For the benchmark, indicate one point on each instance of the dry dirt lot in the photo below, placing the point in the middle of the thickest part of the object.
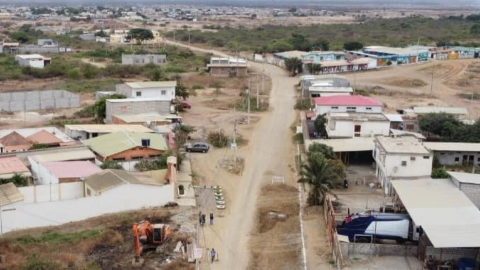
(104, 242)
(450, 79)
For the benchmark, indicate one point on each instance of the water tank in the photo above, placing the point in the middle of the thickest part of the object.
(466, 264)
(145, 142)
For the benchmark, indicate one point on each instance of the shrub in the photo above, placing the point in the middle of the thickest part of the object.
(218, 138)
(303, 104)
(439, 173)
(111, 165)
(37, 263)
(196, 87)
(73, 74)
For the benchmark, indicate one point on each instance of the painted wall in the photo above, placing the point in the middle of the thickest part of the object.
(346, 129)
(322, 57)
(124, 198)
(34, 63)
(164, 93)
(52, 193)
(319, 110)
(44, 176)
(456, 158)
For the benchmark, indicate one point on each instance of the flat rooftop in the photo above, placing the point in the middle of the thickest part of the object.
(349, 144)
(446, 214)
(447, 110)
(391, 50)
(124, 100)
(452, 146)
(466, 178)
(145, 117)
(136, 85)
(29, 56)
(402, 145)
(108, 128)
(353, 116)
(329, 89)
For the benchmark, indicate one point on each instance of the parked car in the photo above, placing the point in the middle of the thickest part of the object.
(197, 147)
(186, 105)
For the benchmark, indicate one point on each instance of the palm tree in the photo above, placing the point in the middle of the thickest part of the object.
(318, 173)
(294, 65)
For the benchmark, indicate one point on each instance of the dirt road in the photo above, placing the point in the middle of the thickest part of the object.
(269, 156)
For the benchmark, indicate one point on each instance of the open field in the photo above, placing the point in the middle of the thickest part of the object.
(104, 242)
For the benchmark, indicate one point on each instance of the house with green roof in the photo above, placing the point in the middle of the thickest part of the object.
(125, 146)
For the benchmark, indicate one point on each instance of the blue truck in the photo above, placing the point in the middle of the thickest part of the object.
(366, 226)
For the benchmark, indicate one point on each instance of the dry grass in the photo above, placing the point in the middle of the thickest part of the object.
(404, 82)
(276, 237)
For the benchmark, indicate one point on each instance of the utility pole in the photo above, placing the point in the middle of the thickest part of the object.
(248, 103)
(431, 85)
(235, 137)
(258, 100)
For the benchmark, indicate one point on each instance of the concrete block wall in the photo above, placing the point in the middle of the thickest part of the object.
(350, 249)
(452, 253)
(36, 100)
(136, 107)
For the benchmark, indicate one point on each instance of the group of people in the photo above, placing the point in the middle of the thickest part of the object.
(201, 218)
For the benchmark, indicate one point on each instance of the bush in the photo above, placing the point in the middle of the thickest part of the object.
(439, 173)
(157, 164)
(218, 139)
(37, 263)
(73, 74)
(111, 165)
(303, 104)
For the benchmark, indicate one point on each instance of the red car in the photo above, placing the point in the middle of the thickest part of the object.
(186, 105)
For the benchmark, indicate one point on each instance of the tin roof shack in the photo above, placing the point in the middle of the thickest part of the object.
(129, 106)
(85, 132)
(449, 222)
(9, 166)
(469, 184)
(127, 148)
(57, 172)
(412, 115)
(453, 153)
(144, 59)
(32, 60)
(158, 90)
(400, 157)
(228, 67)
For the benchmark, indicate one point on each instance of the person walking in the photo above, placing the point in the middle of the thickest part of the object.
(213, 253)
(211, 218)
(203, 219)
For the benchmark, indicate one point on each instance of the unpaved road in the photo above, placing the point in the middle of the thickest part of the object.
(270, 155)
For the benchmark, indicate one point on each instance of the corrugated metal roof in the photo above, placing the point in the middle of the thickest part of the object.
(354, 100)
(329, 89)
(452, 146)
(11, 165)
(71, 169)
(394, 117)
(117, 142)
(108, 128)
(348, 145)
(65, 156)
(109, 179)
(9, 194)
(467, 178)
(446, 214)
(151, 84)
(448, 110)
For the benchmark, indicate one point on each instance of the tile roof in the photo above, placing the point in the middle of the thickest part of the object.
(9, 194)
(347, 101)
(10, 165)
(44, 137)
(71, 169)
(120, 141)
(14, 139)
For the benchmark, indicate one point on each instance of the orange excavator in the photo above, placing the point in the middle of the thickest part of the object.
(148, 235)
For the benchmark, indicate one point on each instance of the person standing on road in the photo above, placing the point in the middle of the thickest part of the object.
(211, 218)
(203, 219)
(213, 253)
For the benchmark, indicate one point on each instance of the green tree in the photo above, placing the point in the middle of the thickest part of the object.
(317, 173)
(339, 172)
(475, 29)
(438, 123)
(321, 44)
(101, 33)
(89, 71)
(300, 42)
(101, 105)
(319, 124)
(353, 46)
(279, 46)
(182, 91)
(114, 165)
(439, 173)
(294, 65)
(17, 179)
(323, 149)
(314, 68)
(140, 34)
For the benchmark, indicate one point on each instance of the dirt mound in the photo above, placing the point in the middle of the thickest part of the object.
(403, 82)
(469, 78)
(277, 231)
(438, 70)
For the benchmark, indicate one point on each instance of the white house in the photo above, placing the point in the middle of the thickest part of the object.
(350, 125)
(157, 90)
(402, 157)
(469, 184)
(32, 60)
(346, 103)
(85, 132)
(326, 91)
(453, 153)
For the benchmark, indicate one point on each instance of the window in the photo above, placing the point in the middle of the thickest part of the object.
(164, 92)
(412, 158)
(119, 159)
(478, 159)
(334, 108)
(369, 108)
(441, 154)
(410, 127)
(351, 108)
(89, 193)
(137, 158)
(457, 159)
(139, 93)
(404, 163)
(426, 157)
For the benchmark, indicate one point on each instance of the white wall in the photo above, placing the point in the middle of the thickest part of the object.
(448, 158)
(346, 129)
(361, 109)
(414, 168)
(44, 176)
(52, 193)
(155, 93)
(124, 198)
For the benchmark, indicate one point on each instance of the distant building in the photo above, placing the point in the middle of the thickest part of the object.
(20, 140)
(402, 157)
(85, 132)
(385, 56)
(412, 115)
(129, 106)
(9, 166)
(347, 104)
(144, 59)
(46, 42)
(455, 153)
(67, 154)
(354, 124)
(32, 60)
(319, 57)
(159, 90)
(228, 67)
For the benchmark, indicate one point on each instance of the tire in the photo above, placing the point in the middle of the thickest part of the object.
(189, 150)
(204, 151)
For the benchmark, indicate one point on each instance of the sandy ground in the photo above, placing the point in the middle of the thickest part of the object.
(383, 262)
(448, 81)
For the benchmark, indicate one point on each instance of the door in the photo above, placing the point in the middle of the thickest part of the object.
(357, 130)
(465, 160)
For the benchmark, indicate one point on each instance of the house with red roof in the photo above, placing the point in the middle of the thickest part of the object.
(12, 165)
(56, 172)
(14, 142)
(343, 103)
(45, 138)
